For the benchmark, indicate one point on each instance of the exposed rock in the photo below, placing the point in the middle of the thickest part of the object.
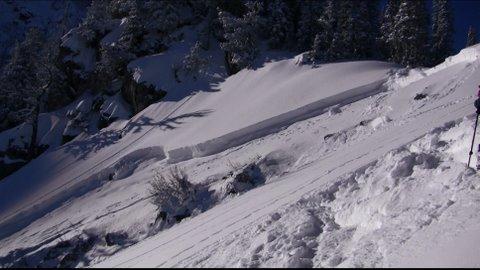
(140, 95)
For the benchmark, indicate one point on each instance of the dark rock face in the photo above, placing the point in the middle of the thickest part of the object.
(247, 178)
(140, 95)
(116, 238)
(8, 168)
(20, 157)
(420, 96)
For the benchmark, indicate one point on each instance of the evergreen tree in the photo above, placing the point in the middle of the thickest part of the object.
(347, 31)
(343, 45)
(327, 32)
(387, 28)
(213, 27)
(112, 65)
(240, 34)
(134, 30)
(280, 25)
(370, 29)
(21, 83)
(120, 8)
(307, 25)
(442, 31)
(410, 35)
(163, 16)
(472, 37)
(97, 21)
(51, 72)
(193, 63)
(149, 24)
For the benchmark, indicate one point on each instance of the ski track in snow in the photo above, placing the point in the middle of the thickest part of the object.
(353, 148)
(303, 185)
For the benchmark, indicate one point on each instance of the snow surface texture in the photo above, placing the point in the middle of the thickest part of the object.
(371, 217)
(350, 155)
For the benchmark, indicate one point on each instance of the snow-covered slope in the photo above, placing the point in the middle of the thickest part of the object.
(197, 125)
(332, 182)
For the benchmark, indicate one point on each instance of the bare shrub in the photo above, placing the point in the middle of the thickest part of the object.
(172, 194)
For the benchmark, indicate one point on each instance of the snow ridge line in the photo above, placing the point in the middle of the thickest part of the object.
(23, 214)
(274, 124)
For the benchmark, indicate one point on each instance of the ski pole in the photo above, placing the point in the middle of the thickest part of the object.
(473, 139)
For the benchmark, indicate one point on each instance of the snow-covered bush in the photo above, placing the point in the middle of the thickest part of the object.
(173, 195)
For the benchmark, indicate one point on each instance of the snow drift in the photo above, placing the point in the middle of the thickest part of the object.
(335, 136)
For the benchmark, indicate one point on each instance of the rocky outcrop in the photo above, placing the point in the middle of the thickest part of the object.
(140, 95)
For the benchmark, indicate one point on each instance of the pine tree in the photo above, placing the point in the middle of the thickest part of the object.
(21, 83)
(442, 31)
(368, 32)
(326, 34)
(387, 28)
(410, 35)
(193, 63)
(240, 34)
(120, 8)
(347, 31)
(472, 37)
(307, 25)
(280, 25)
(112, 65)
(213, 27)
(163, 16)
(343, 45)
(97, 21)
(134, 30)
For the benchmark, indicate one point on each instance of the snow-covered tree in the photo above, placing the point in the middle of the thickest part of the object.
(281, 29)
(120, 8)
(164, 16)
(134, 30)
(19, 79)
(21, 83)
(442, 31)
(149, 24)
(240, 36)
(308, 23)
(366, 29)
(387, 28)
(410, 35)
(472, 37)
(347, 30)
(112, 65)
(193, 63)
(343, 43)
(327, 30)
(213, 27)
(97, 21)
(51, 72)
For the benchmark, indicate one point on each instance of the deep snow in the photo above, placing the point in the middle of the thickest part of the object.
(360, 173)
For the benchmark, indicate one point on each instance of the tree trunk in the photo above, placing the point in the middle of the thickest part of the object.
(33, 140)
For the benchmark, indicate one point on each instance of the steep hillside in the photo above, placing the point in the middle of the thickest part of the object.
(332, 153)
